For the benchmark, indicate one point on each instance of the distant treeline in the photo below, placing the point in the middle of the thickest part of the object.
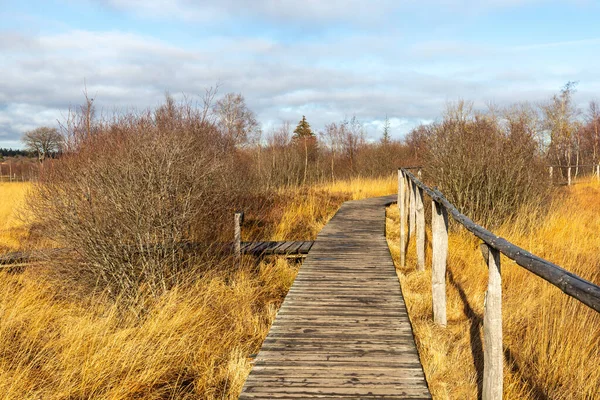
(14, 153)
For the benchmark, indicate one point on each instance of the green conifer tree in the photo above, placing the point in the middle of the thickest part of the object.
(303, 129)
(386, 131)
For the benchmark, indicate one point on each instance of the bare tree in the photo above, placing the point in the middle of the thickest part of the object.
(43, 141)
(236, 121)
(561, 123)
(334, 136)
(592, 133)
(354, 139)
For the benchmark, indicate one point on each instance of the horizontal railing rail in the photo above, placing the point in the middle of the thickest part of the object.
(412, 220)
(571, 284)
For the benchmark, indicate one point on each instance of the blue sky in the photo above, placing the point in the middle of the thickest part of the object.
(324, 59)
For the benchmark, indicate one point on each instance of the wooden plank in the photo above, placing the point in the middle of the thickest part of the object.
(305, 248)
(293, 249)
(259, 248)
(343, 330)
(277, 249)
(284, 248)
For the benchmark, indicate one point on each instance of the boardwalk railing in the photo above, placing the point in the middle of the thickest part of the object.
(412, 218)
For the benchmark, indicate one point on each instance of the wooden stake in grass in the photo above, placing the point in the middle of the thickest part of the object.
(492, 327)
(401, 205)
(237, 234)
(420, 214)
(412, 219)
(439, 227)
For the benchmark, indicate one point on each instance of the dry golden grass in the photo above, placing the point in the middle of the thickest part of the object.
(312, 208)
(13, 232)
(194, 342)
(362, 188)
(551, 342)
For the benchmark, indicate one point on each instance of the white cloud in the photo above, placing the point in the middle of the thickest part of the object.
(308, 11)
(276, 10)
(363, 74)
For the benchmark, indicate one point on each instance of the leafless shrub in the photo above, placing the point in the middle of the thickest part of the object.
(487, 166)
(134, 197)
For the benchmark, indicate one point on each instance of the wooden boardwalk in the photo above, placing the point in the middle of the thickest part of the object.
(343, 330)
(258, 249)
(276, 248)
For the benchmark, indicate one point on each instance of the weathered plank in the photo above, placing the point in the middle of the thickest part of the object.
(295, 248)
(343, 330)
(278, 248)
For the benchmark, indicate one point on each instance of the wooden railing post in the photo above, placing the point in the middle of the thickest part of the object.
(407, 206)
(569, 176)
(493, 354)
(237, 234)
(420, 214)
(412, 220)
(402, 206)
(439, 228)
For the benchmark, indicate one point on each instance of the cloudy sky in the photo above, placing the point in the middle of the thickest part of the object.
(326, 59)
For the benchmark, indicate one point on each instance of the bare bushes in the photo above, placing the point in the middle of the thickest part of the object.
(133, 198)
(486, 165)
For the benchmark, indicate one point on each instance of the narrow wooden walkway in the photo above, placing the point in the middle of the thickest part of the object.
(343, 330)
(276, 248)
(258, 249)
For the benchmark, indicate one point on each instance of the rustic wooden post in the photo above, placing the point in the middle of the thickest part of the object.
(492, 328)
(407, 200)
(407, 207)
(569, 176)
(10, 171)
(598, 172)
(402, 206)
(237, 234)
(420, 213)
(413, 210)
(439, 228)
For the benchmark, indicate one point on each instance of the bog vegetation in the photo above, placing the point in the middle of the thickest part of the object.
(146, 301)
(549, 337)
